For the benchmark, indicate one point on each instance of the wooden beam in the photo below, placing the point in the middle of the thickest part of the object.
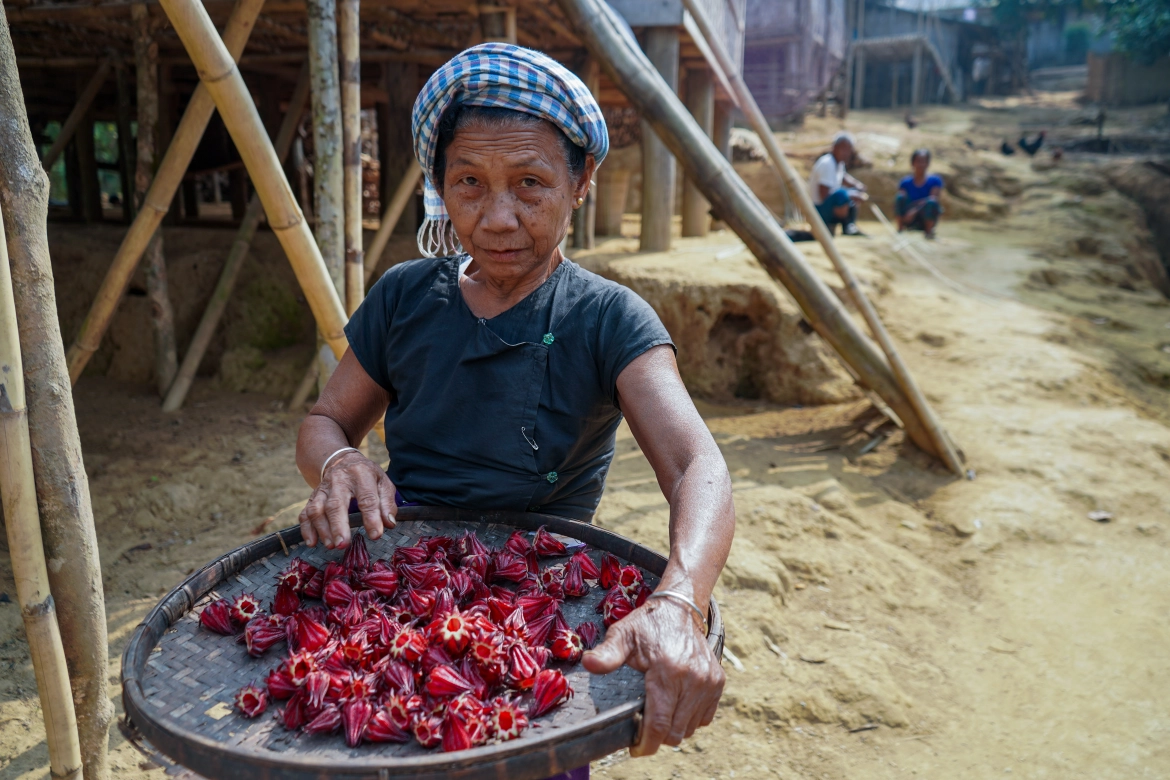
(919, 418)
(125, 143)
(80, 109)
(157, 201)
(226, 87)
(61, 486)
(87, 170)
(396, 147)
(230, 272)
(328, 175)
(658, 166)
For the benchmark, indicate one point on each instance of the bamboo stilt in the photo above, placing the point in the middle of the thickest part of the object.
(700, 89)
(218, 72)
(658, 164)
(84, 101)
(62, 489)
(235, 259)
(936, 440)
(90, 190)
(390, 217)
(158, 200)
(349, 38)
(26, 551)
(604, 35)
(162, 315)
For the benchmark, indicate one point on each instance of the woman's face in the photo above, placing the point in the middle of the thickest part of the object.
(920, 164)
(510, 195)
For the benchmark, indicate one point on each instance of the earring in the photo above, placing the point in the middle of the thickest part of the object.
(580, 201)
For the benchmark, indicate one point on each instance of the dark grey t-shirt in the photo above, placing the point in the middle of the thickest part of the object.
(517, 412)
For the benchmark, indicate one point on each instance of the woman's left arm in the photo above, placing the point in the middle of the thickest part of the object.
(662, 638)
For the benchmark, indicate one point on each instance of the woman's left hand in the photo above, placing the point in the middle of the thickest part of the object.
(684, 680)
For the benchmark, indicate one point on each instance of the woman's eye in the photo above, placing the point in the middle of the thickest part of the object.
(470, 181)
(528, 181)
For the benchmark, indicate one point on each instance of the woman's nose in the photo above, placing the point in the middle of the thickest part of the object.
(499, 216)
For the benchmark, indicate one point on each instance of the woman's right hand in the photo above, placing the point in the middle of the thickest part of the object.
(348, 476)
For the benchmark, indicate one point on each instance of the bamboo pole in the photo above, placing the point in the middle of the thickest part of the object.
(158, 200)
(62, 489)
(391, 215)
(235, 259)
(605, 36)
(658, 164)
(25, 549)
(125, 143)
(162, 315)
(700, 91)
(940, 443)
(219, 73)
(84, 101)
(349, 38)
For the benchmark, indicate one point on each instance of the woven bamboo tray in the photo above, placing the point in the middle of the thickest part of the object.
(178, 680)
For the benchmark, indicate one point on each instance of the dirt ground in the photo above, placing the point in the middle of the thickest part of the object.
(888, 620)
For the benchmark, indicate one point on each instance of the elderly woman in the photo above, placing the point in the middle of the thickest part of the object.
(504, 369)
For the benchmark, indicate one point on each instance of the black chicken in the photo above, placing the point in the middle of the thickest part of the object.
(1031, 147)
(911, 122)
(1007, 148)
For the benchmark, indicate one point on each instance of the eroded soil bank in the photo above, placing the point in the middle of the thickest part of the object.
(889, 620)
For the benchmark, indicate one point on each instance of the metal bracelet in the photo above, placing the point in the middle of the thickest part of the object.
(334, 455)
(682, 599)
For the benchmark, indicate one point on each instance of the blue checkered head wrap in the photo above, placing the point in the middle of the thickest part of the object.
(503, 76)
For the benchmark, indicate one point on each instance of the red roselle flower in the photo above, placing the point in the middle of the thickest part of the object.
(469, 544)
(404, 710)
(518, 543)
(300, 666)
(408, 646)
(536, 606)
(444, 602)
(357, 557)
(326, 722)
(337, 593)
(630, 580)
(314, 586)
(550, 689)
(643, 593)
(611, 569)
(382, 728)
(589, 569)
(540, 628)
(542, 655)
(296, 575)
(522, 667)
(381, 579)
(428, 731)
(507, 721)
(398, 677)
(589, 633)
(444, 681)
(311, 635)
(280, 685)
(260, 635)
(317, 687)
(434, 656)
(414, 554)
(515, 626)
(509, 567)
(251, 701)
(567, 645)
(355, 714)
(216, 617)
(354, 648)
(547, 545)
(295, 714)
(244, 608)
(476, 562)
(286, 601)
(574, 584)
(614, 607)
(452, 632)
(455, 736)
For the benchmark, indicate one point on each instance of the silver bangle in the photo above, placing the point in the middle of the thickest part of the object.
(680, 598)
(334, 455)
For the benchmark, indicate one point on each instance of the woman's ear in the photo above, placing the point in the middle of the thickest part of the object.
(581, 189)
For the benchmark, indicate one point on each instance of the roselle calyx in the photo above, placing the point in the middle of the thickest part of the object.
(216, 617)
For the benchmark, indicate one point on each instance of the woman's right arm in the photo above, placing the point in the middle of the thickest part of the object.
(348, 407)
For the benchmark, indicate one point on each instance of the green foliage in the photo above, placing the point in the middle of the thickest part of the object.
(1076, 42)
(1141, 28)
(58, 189)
